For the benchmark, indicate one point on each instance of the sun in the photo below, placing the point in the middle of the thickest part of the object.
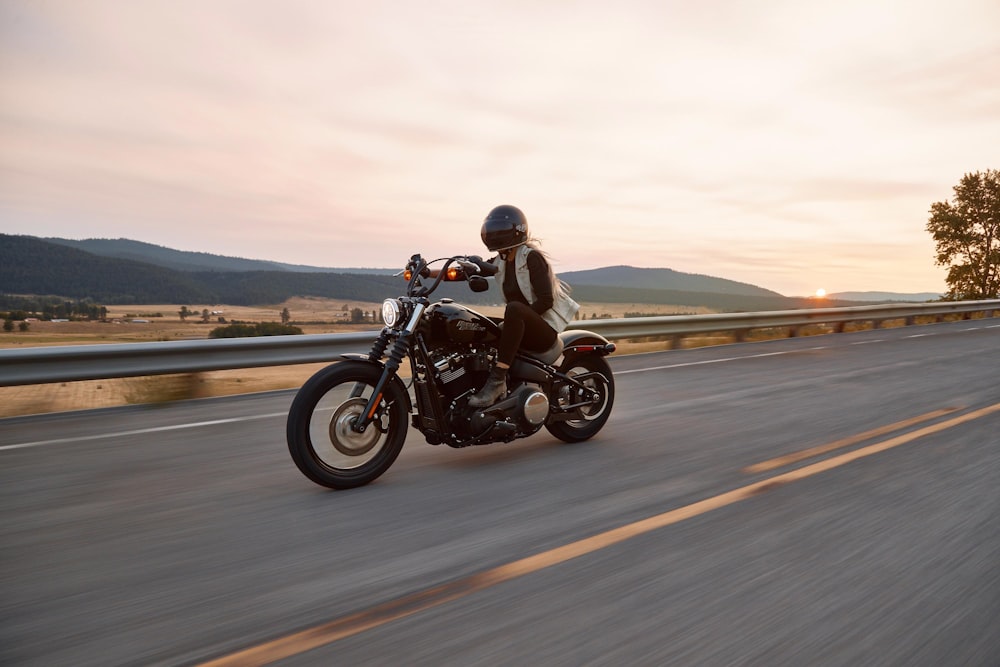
(820, 293)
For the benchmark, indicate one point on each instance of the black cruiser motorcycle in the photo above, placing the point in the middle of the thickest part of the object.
(348, 422)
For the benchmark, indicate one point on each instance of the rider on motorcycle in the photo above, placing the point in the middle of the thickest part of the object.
(538, 303)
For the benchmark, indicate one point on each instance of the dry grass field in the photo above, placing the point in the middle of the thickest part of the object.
(312, 315)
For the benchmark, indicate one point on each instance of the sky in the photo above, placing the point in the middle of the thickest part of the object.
(791, 144)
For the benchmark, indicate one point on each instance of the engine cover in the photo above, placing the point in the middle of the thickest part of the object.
(535, 408)
(527, 409)
(459, 372)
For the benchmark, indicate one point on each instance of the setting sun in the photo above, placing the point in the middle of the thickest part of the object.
(820, 293)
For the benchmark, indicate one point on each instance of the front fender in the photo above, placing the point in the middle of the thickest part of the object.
(355, 357)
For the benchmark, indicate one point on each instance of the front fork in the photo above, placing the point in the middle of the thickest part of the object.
(398, 350)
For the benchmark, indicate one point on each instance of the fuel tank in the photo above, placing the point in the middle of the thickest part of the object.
(448, 322)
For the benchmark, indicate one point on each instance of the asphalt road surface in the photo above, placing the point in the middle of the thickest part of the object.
(831, 500)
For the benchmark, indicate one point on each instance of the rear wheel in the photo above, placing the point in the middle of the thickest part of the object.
(321, 438)
(585, 421)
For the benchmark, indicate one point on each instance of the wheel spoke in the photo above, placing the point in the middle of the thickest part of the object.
(592, 377)
(322, 438)
(331, 429)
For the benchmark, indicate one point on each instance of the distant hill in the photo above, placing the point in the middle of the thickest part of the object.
(883, 297)
(178, 260)
(713, 300)
(612, 276)
(183, 260)
(29, 265)
(661, 279)
(109, 272)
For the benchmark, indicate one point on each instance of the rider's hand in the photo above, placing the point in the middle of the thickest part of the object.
(485, 268)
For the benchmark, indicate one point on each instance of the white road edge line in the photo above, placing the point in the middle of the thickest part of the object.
(715, 361)
(141, 431)
(214, 422)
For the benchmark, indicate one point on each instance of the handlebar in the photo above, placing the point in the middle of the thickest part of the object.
(468, 266)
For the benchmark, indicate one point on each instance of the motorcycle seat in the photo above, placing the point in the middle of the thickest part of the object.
(546, 356)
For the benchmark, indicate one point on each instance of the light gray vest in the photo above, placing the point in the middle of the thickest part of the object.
(563, 309)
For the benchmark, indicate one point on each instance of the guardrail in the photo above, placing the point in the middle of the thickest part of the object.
(40, 365)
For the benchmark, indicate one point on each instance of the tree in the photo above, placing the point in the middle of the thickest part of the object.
(286, 316)
(967, 234)
(8, 324)
(183, 312)
(205, 315)
(357, 316)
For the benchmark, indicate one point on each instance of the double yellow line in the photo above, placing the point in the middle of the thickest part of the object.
(387, 612)
(783, 461)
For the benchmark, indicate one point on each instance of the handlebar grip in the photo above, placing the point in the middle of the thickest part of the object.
(485, 268)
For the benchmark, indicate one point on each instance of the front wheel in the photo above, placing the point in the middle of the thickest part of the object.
(585, 421)
(321, 437)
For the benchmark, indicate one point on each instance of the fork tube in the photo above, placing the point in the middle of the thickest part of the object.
(396, 354)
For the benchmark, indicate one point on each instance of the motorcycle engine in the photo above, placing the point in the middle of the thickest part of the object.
(459, 372)
(522, 412)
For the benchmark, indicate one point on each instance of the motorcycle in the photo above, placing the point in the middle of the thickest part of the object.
(347, 423)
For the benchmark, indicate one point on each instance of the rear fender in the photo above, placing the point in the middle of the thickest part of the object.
(578, 343)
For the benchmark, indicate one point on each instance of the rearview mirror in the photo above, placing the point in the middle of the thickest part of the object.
(478, 284)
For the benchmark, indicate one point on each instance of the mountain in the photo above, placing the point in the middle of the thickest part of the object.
(883, 297)
(612, 276)
(122, 271)
(183, 260)
(661, 279)
(29, 265)
(713, 300)
(178, 260)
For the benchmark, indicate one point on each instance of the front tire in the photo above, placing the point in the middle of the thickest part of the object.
(584, 422)
(321, 441)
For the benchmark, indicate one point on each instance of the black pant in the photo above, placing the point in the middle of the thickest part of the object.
(523, 327)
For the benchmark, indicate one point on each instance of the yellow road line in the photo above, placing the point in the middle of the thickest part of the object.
(771, 464)
(348, 626)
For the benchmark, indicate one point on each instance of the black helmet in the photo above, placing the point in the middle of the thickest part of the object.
(504, 227)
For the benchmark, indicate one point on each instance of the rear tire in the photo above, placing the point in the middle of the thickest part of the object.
(587, 421)
(321, 441)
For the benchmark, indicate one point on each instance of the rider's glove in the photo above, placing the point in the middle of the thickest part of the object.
(485, 268)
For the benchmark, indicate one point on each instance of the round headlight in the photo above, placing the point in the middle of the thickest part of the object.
(391, 312)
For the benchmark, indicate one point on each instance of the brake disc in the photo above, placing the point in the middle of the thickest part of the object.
(342, 434)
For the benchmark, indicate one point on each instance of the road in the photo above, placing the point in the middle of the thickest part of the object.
(830, 500)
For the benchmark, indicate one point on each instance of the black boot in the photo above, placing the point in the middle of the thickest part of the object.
(492, 391)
